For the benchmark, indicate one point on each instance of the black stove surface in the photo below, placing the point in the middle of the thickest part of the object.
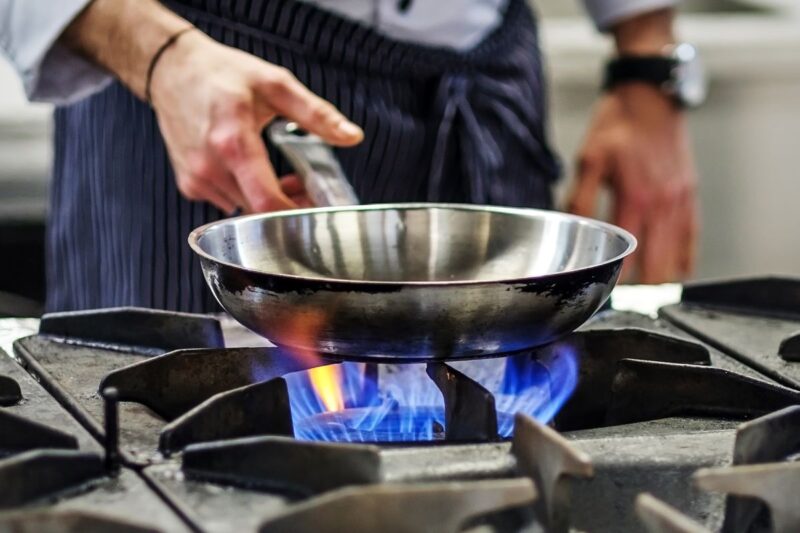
(208, 446)
(51, 467)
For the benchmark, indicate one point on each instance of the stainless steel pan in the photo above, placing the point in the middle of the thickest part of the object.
(411, 281)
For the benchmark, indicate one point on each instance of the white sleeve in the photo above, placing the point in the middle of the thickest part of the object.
(29, 30)
(606, 13)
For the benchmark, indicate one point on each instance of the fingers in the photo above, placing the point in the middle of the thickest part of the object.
(205, 190)
(230, 188)
(633, 211)
(292, 185)
(630, 217)
(207, 179)
(286, 96)
(302, 201)
(202, 179)
(212, 127)
(240, 149)
(666, 230)
(592, 170)
(660, 255)
(691, 230)
(235, 172)
(294, 188)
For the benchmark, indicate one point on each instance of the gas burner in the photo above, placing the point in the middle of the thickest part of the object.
(589, 379)
(463, 401)
(387, 422)
(627, 375)
(466, 401)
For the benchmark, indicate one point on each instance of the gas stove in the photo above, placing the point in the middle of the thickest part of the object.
(141, 420)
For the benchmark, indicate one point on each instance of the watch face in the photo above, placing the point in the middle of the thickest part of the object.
(690, 80)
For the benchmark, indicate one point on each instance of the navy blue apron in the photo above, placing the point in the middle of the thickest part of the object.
(440, 126)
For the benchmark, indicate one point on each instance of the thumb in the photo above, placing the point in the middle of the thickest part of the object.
(284, 94)
(591, 173)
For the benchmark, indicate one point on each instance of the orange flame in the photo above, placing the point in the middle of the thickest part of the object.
(299, 335)
(326, 381)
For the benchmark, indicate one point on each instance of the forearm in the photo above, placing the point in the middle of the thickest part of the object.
(646, 34)
(122, 36)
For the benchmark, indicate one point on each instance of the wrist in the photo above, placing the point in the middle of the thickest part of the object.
(645, 98)
(646, 34)
(186, 60)
(122, 36)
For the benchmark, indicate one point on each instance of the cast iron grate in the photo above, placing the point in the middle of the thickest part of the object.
(247, 392)
(348, 482)
(762, 484)
(766, 296)
(10, 393)
(134, 329)
(754, 320)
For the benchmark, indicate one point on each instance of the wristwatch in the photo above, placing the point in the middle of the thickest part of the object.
(678, 73)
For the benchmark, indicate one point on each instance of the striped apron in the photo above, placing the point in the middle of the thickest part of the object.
(439, 125)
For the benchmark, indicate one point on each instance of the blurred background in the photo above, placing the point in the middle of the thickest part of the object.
(746, 136)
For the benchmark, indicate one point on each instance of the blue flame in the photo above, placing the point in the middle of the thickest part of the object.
(521, 384)
(406, 406)
(400, 403)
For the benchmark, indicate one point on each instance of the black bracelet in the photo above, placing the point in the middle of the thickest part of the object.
(153, 62)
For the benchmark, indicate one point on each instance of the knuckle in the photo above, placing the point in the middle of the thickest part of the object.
(670, 194)
(280, 81)
(640, 198)
(283, 75)
(235, 104)
(589, 160)
(200, 168)
(227, 142)
(190, 189)
(320, 113)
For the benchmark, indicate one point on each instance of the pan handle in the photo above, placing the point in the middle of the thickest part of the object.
(315, 164)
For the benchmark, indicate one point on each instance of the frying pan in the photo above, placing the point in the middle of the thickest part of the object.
(412, 281)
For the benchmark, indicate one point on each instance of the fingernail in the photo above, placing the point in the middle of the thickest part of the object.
(349, 129)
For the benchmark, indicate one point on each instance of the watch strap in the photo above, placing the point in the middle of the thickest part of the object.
(650, 69)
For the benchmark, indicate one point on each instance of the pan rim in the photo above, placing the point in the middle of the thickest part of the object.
(627, 237)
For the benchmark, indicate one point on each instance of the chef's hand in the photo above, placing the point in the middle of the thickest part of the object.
(212, 102)
(638, 146)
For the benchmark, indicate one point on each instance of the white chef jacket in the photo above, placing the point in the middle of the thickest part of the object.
(29, 30)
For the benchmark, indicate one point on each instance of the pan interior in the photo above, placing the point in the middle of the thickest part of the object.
(414, 244)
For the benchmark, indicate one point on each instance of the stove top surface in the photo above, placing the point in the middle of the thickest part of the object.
(209, 439)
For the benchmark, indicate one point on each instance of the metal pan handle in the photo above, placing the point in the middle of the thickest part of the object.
(315, 164)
